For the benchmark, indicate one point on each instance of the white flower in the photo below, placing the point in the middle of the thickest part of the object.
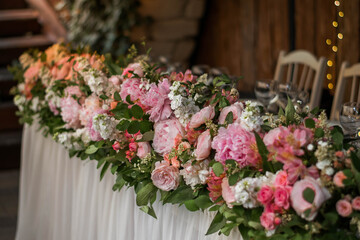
(246, 191)
(323, 164)
(105, 125)
(251, 118)
(310, 147)
(195, 174)
(19, 101)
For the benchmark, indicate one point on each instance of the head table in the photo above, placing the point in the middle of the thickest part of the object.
(62, 198)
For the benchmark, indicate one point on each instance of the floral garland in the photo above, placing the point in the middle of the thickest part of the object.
(288, 176)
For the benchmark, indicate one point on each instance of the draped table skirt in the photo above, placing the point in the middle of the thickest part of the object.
(62, 198)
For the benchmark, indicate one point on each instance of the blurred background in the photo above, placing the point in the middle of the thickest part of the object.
(243, 37)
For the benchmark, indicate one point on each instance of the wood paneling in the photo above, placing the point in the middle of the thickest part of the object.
(247, 36)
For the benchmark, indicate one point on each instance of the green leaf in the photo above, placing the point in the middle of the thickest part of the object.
(149, 210)
(104, 169)
(217, 223)
(355, 161)
(148, 136)
(43, 57)
(117, 96)
(134, 127)
(120, 182)
(315, 111)
(226, 230)
(233, 179)
(244, 232)
(309, 195)
(114, 168)
(338, 138)
(91, 149)
(137, 111)
(128, 99)
(103, 97)
(145, 193)
(267, 166)
(180, 195)
(191, 205)
(203, 201)
(319, 133)
(290, 111)
(255, 225)
(309, 123)
(229, 118)
(145, 126)
(307, 212)
(218, 168)
(281, 112)
(123, 125)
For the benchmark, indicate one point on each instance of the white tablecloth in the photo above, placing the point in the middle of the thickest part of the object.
(63, 199)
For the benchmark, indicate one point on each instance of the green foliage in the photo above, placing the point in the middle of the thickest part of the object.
(309, 195)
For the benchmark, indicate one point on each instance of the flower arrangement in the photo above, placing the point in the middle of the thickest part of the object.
(289, 176)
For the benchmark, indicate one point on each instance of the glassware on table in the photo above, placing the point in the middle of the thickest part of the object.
(266, 92)
(350, 118)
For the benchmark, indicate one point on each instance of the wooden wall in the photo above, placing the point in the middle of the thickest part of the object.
(247, 36)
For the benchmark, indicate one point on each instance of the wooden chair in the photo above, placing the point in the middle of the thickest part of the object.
(304, 71)
(346, 73)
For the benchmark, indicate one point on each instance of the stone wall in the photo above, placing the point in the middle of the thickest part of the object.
(174, 27)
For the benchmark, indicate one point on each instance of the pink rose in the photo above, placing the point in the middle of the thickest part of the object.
(202, 116)
(227, 192)
(265, 195)
(356, 203)
(236, 110)
(338, 179)
(144, 149)
(91, 105)
(343, 207)
(267, 220)
(303, 135)
(165, 177)
(135, 68)
(116, 146)
(300, 204)
(281, 179)
(281, 196)
(165, 134)
(203, 147)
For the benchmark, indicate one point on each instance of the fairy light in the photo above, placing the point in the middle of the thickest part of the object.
(333, 45)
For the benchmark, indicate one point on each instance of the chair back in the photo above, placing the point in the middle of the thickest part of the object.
(303, 70)
(346, 73)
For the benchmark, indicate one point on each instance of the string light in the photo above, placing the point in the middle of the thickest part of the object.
(333, 44)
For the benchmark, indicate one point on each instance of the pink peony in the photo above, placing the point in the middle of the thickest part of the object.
(234, 142)
(73, 91)
(165, 177)
(158, 102)
(165, 134)
(143, 150)
(300, 204)
(343, 207)
(236, 109)
(70, 109)
(356, 203)
(131, 87)
(202, 116)
(282, 195)
(338, 179)
(265, 195)
(227, 192)
(267, 220)
(203, 147)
